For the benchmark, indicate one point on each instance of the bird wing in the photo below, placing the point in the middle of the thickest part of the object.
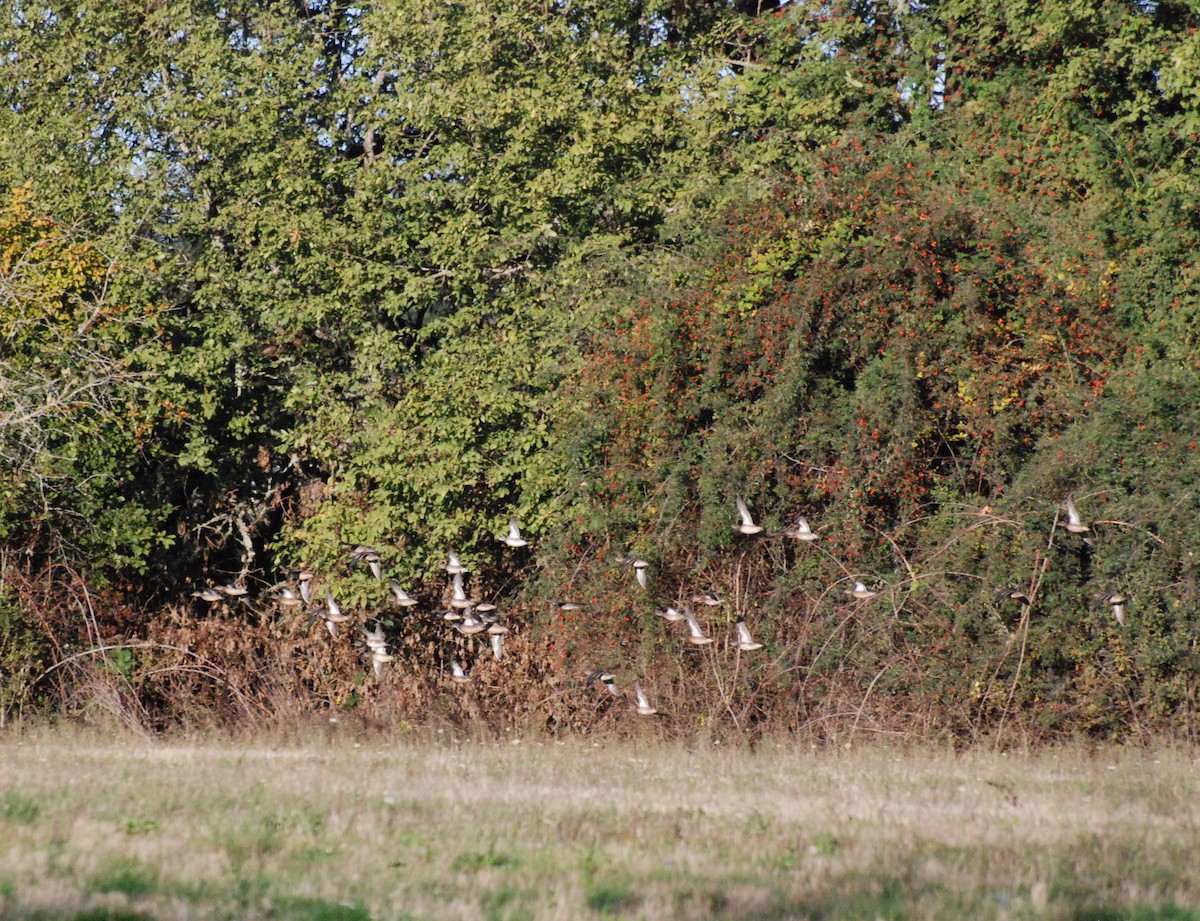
(744, 513)
(460, 593)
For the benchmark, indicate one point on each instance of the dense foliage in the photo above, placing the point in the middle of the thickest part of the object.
(282, 279)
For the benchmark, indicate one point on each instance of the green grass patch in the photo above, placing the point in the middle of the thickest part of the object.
(508, 903)
(140, 826)
(126, 876)
(471, 861)
(18, 808)
(1136, 913)
(317, 910)
(554, 831)
(612, 898)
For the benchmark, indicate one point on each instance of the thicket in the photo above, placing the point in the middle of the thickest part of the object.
(279, 280)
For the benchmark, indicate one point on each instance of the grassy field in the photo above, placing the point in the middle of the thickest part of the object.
(94, 827)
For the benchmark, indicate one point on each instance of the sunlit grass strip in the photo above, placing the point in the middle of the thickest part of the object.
(566, 830)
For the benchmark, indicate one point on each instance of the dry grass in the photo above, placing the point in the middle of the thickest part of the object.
(442, 828)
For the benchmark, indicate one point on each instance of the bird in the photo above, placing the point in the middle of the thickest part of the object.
(376, 642)
(495, 629)
(379, 658)
(566, 605)
(708, 599)
(484, 607)
(402, 598)
(643, 705)
(1116, 601)
(470, 624)
(449, 614)
(1008, 593)
(695, 635)
(671, 614)
(209, 594)
(333, 614)
(288, 597)
(860, 591)
(498, 646)
(458, 673)
(304, 579)
(745, 523)
(370, 556)
(453, 565)
(459, 598)
(375, 637)
(1074, 523)
(232, 590)
(607, 678)
(800, 531)
(513, 538)
(746, 642)
(639, 567)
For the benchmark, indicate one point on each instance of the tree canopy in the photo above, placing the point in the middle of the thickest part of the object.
(279, 280)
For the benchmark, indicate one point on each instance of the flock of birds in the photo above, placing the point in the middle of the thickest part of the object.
(472, 616)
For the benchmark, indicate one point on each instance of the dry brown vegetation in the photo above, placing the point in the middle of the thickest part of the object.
(349, 824)
(252, 666)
